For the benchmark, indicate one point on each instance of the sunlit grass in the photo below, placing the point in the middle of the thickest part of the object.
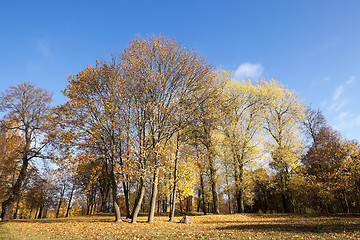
(235, 226)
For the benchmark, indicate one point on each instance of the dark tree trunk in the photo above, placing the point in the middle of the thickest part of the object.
(139, 200)
(284, 202)
(215, 198)
(127, 199)
(69, 203)
(36, 213)
(61, 198)
(8, 204)
(159, 205)
(164, 205)
(153, 196)
(240, 200)
(212, 177)
(40, 212)
(189, 203)
(16, 209)
(173, 195)
(283, 194)
(116, 202)
(203, 194)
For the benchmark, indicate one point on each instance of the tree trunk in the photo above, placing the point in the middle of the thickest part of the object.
(40, 212)
(215, 198)
(127, 199)
(153, 196)
(8, 204)
(189, 203)
(116, 202)
(284, 202)
(283, 194)
(346, 203)
(203, 193)
(173, 195)
(16, 209)
(61, 198)
(139, 201)
(69, 203)
(212, 177)
(163, 205)
(240, 200)
(36, 213)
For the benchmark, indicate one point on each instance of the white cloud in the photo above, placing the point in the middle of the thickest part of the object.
(342, 116)
(351, 80)
(43, 46)
(339, 90)
(248, 70)
(346, 121)
(325, 79)
(338, 105)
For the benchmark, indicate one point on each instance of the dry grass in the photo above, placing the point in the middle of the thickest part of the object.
(236, 226)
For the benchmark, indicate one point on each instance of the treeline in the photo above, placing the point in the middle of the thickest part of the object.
(158, 129)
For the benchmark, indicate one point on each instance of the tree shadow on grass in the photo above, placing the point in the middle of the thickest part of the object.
(297, 228)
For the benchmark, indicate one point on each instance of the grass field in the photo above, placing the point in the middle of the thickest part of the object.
(235, 226)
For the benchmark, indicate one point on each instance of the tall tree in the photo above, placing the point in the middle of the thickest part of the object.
(283, 116)
(241, 127)
(160, 75)
(325, 160)
(27, 109)
(90, 123)
(204, 126)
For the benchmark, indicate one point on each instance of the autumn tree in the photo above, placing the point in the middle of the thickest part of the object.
(241, 127)
(10, 142)
(160, 75)
(89, 122)
(204, 126)
(283, 116)
(27, 109)
(325, 160)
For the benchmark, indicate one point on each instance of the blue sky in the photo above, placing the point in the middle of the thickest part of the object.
(311, 46)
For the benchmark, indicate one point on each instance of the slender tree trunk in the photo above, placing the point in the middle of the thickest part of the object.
(189, 203)
(203, 193)
(58, 209)
(36, 213)
(40, 211)
(173, 195)
(346, 203)
(153, 196)
(69, 203)
(283, 195)
(61, 198)
(212, 177)
(127, 199)
(164, 205)
(139, 201)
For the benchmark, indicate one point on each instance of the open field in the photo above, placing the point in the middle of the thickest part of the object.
(236, 226)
